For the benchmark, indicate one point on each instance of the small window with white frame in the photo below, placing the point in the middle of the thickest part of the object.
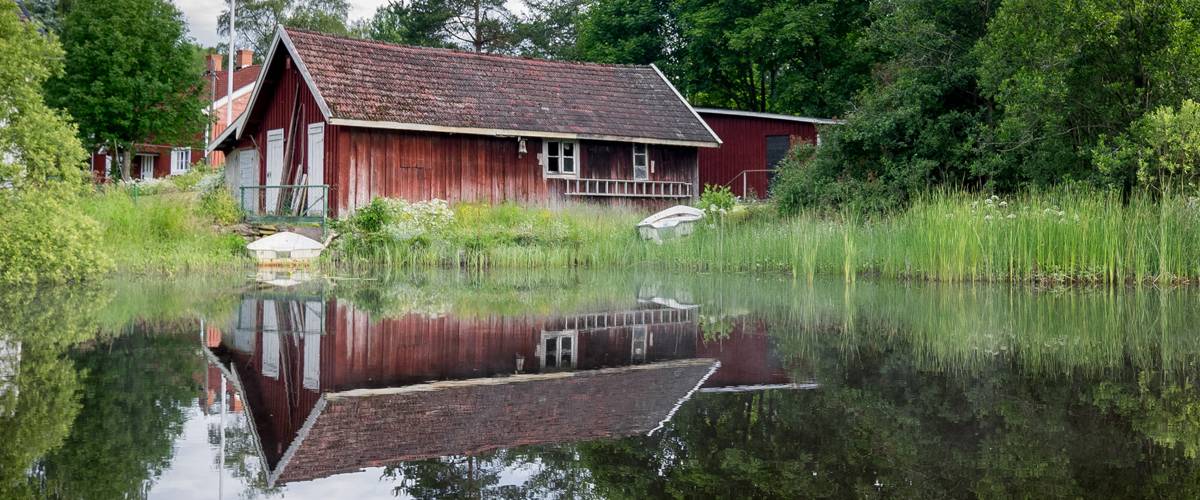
(641, 162)
(557, 350)
(560, 158)
(181, 160)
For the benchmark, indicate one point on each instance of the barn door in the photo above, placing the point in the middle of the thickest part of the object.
(316, 168)
(274, 169)
(247, 171)
(777, 148)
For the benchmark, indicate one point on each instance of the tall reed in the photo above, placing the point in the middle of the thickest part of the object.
(1061, 236)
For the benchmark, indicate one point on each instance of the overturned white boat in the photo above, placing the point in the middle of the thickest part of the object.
(674, 222)
(285, 249)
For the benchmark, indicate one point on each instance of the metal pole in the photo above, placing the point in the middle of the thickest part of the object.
(221, 469)
(229, 77)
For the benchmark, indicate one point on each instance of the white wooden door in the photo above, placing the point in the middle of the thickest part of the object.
(147, 166)
(316, 168)
(274, 168)
(248, 176)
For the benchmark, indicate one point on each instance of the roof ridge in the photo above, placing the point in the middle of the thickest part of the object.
(459, 52)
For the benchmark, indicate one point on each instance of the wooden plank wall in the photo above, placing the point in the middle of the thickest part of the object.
(419, 166)
(745, 148)
(274, 111)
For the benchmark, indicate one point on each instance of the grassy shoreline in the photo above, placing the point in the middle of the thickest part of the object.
(1058, 237)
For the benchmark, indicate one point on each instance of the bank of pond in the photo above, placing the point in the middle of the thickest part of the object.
(595, 384)
(1065, 236)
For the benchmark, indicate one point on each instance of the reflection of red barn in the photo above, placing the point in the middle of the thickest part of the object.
(754, 145)
(330, 389)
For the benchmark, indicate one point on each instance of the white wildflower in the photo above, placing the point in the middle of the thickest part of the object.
(1004, 204)
(1012, 216)
(987, 217)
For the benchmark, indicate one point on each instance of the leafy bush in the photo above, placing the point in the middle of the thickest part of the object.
(716, 200)
(1160, 149)
(397, 220)
(191, 180)
(218, 204)
(47, 239)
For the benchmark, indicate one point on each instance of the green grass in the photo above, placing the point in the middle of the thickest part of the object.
(1063, 236)
(160, 232)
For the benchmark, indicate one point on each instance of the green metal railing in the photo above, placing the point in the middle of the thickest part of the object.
(289, 203)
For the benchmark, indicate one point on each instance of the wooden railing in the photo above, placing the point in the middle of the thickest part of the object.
(621, 319)
(627, 188)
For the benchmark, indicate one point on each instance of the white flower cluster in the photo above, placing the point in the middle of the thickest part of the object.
(413, 220)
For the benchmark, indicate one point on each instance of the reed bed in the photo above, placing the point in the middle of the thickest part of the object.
(1061, 236)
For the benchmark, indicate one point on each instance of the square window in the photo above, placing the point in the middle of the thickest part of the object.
(560, 158)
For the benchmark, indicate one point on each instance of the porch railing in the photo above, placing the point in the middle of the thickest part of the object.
(628, 188)
(742, 179)
(292, 203)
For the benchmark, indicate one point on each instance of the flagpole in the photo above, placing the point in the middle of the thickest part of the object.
(229, 76)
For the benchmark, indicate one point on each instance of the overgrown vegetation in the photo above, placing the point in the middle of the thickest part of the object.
(168, 231)
(1067, 235)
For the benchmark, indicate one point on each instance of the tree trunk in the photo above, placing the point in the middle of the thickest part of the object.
(126, 164)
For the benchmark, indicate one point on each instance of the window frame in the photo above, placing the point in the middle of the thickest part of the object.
(574, 173)
(559, 352)
(177, 157)
(645, 154)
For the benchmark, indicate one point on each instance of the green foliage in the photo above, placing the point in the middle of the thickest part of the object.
(38, 145)
(913, 128)
(257, 20)
(130, 77)
(1064, 74)
(549, 29)
(219, 205)
(47, 239)
(716, 201)
(163, 232)
(420, 22)
(771, 55)
(1162, 149)
(624, 31)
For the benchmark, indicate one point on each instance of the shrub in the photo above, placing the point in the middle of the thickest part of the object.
(716, 200)
(397, 220)
(1160, 149)
(47, 239)
(218, 204)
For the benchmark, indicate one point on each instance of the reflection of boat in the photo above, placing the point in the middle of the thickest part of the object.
(330, 389)
(679, 220)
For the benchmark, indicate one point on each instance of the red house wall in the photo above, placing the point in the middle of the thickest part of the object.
(363, 163)
(421, 166)
(744, 147)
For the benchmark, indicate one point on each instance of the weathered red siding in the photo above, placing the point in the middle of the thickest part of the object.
(744, 147)
(421, 166)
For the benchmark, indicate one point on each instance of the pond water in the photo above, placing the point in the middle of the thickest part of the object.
(604, 385)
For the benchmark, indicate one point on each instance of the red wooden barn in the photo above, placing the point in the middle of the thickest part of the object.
(754, 144)
(373, 119)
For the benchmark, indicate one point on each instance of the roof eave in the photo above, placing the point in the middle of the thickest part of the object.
(420, 127)
(687, 104)
(281, 38)
(771, 116)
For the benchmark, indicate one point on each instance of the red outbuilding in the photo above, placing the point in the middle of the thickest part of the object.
(370, 119)
(754, 144)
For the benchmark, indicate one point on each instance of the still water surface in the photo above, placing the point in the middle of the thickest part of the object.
(595, 385)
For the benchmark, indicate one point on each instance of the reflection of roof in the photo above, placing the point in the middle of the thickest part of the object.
(350, 430)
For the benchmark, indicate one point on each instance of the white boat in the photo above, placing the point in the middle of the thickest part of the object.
(285, 249)
(674, 222)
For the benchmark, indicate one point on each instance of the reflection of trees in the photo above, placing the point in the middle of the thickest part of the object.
(36, 414)
(882, 426)
(242, 459)
(135, 395)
